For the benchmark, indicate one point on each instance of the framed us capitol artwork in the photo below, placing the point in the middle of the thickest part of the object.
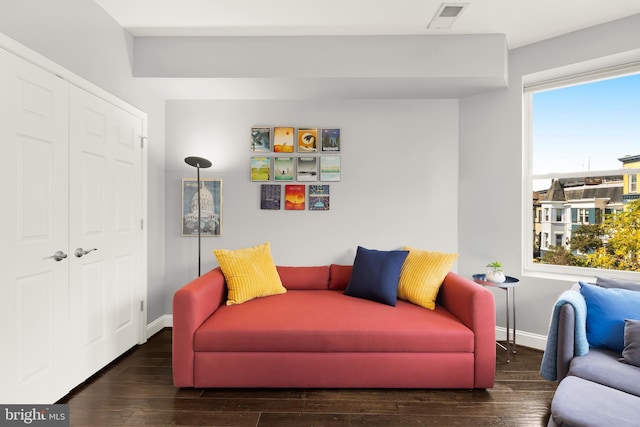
(210, 207)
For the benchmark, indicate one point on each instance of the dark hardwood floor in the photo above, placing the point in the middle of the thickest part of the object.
(137, 390)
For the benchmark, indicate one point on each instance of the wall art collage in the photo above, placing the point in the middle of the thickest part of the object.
(303, 155)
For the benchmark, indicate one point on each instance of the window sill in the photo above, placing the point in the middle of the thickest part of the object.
(575, 274)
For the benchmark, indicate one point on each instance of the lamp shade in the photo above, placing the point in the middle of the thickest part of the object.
(197, 162)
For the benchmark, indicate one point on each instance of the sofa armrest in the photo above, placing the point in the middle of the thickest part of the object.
(566, 340)
(192, 305)
(474, 305)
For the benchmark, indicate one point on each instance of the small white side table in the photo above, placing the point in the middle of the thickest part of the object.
(509, 286)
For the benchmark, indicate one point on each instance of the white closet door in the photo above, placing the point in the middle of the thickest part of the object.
(33, 226)
(105, 221)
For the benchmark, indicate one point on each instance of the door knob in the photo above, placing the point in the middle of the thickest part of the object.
(81, 252)
(57, 256)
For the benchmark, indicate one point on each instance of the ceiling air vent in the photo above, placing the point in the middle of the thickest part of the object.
(446, 14)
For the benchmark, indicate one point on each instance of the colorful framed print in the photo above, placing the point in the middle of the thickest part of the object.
(330, 168)
(210, 207)
(260, 168)
(307, 169)
(270, 196)
(307, 140)
(294, 197)
(283, 168)
(330, 140)
(283, 139)
(319, 197)
(261, 140)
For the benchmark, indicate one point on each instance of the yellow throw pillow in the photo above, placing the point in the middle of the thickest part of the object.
(422, 275)
(250, 273)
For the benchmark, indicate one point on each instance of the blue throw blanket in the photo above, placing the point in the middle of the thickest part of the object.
(548, 368)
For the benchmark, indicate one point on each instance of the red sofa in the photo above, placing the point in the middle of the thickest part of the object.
(314, 336)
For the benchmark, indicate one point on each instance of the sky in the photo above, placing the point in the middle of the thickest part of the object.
(586, 127)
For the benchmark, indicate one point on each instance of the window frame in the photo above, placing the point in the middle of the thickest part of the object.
(545, 240)
(550, 80)
(582, 216)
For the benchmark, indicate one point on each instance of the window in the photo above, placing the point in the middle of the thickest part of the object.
(559, 215)
(582, 216)
(545, 240)
(582, 157)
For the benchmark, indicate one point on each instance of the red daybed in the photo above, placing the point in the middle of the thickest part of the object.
(314, 336)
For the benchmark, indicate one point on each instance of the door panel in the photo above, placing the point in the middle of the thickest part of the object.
(35, 161)
(94, 302)
(92, 187)
(106, 169)
(34, 311)
(125, 197)
(124, 294)
(33, 225)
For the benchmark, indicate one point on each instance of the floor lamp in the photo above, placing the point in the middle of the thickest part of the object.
(198, 162)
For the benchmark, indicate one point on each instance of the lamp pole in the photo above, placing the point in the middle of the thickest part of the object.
(198, 162)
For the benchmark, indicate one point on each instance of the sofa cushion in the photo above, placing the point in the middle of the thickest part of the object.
(329, 321)
(607, 282)
(375, 275)
(631, 352)
(607, 310)
(301, 278)
(578, 402)
(422, 275)
(339, 276)
(602, 366)
(249, 273)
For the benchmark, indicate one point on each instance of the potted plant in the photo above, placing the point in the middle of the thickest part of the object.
(495, 274)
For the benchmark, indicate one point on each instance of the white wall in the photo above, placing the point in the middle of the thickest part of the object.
(402, 183)
(80, 36)
(491, 163)
(399, 180)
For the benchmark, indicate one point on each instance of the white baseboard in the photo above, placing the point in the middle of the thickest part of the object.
(527, 339)
(159, 324)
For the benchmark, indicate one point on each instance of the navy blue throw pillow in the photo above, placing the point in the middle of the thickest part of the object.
(375, 275)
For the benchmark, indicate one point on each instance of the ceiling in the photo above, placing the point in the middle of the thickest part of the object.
(523, 22)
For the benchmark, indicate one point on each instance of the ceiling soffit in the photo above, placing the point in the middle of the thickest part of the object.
(343, 66)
